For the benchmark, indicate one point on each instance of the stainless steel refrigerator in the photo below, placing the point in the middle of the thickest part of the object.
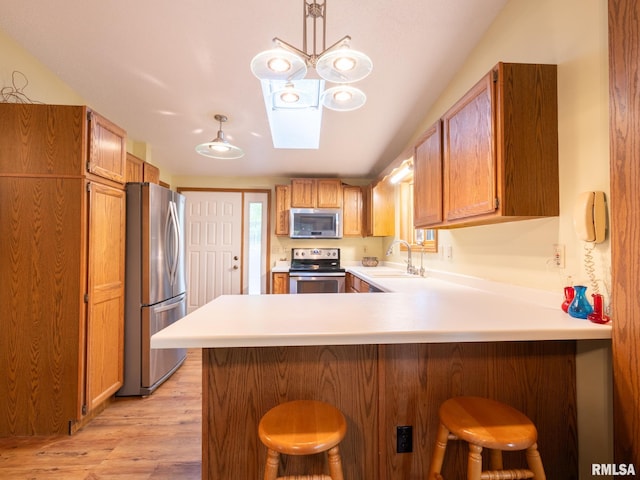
(155, 288)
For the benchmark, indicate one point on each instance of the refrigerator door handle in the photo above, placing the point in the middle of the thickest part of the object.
(166, 308)
(171, 229)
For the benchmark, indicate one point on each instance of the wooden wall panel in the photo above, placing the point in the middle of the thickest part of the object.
(41, 230)
(379, 388)
(538, 378)
(244, 383)
(624, 88)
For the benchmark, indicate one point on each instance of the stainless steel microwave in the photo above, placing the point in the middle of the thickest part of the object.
(315, 223)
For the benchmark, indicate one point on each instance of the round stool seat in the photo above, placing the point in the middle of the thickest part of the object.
(488, 423)
(302, 427)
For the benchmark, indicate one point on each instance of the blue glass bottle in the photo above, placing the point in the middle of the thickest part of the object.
(580, 306)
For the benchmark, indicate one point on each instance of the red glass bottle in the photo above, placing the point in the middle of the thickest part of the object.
(598, 315)
(569, 293)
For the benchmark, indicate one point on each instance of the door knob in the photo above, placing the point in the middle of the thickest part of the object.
(235, 257)
(235, 267)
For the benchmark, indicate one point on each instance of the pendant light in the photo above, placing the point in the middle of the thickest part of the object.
(219, 147)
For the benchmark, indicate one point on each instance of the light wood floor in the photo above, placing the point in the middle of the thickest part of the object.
(158, 437)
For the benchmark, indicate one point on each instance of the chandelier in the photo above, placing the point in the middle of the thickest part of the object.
(285, 66)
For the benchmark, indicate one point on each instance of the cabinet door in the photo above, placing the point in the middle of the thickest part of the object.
(150, 173)
(280, 283)
(134, 169)
(469, 156)
(379, 209)
(283, 202)
(105, 289)
(352, 212)
(303, 193)
(107, 148)
(427, 178)
(329, 192)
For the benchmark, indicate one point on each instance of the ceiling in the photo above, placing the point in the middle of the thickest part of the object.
(162, 69)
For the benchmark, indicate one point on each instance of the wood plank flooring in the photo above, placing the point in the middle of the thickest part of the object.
(155, 438)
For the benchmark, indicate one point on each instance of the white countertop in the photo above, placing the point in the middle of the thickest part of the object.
(412, 310)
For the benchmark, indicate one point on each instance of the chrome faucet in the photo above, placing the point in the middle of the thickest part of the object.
(410, 268)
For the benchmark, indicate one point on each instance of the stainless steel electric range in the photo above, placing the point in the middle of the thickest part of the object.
(316, 270)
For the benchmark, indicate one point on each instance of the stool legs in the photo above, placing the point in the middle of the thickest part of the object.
(334, 460)
(438, 453)
(474, 462)
(535, 462)
(335, 463)
(495, 459)
(271, 468)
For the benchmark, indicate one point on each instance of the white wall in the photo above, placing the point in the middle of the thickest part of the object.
(43, 85)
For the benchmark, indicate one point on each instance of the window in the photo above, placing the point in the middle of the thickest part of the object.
(427, 239)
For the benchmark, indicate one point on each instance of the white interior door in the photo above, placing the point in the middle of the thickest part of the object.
(214, 246)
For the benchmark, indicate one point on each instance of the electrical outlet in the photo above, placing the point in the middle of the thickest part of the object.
(404, 439)
(558, 255)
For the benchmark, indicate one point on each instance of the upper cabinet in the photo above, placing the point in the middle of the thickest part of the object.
(140, 171)
(107, 148)
(379, 209)
(352, 224)
(427, 178)
(499, 152)
(283, 202)
(316, 193)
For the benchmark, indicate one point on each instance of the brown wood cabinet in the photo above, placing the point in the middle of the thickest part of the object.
(352, 224)
(62, 203)
(427, 178)
(316, 193)
(134, 168)
(283, 204)
(150, 173)
(354, 284)
(379, 209)
(499, 152)
(140, 171)
(279, 282)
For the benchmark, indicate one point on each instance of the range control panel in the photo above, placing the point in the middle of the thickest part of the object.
(315, 253)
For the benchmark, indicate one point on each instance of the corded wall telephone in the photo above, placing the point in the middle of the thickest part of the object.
(589, 217)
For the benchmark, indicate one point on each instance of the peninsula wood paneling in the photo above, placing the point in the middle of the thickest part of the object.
(244, 383)
(379, 388)
(538, 378)
(624, 71)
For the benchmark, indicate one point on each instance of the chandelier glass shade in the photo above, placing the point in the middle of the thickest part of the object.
(336, 64)
(343, 98)
(219, 147)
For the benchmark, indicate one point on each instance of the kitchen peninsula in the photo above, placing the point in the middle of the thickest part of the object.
(386, 360)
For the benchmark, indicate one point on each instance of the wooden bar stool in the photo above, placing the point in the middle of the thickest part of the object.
(303, 427)
(485, 423)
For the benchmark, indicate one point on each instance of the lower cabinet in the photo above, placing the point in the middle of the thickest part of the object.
(105, 299)
(279, 282)
(354, 284)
